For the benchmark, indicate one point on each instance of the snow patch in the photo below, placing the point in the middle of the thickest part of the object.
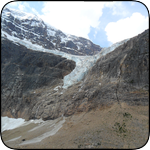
(11, 123)
(52, 127)
(107, 50)
(50, 32)
(57, 88)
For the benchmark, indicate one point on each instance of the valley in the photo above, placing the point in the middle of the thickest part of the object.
(71, 95)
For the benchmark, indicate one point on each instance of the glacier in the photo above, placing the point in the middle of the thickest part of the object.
(83, 63)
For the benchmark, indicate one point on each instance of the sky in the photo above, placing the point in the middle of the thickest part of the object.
(104, 23)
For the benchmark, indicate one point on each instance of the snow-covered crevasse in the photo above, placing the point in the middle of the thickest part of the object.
(83, 63)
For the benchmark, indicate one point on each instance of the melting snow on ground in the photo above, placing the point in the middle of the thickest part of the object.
(49, 128)
(12, 123)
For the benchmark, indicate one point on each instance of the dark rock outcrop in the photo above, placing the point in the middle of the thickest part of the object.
(70, 44)
(25, 73)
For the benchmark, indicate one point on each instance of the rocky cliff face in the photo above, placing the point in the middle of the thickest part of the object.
(32, 81)
(120, 76)
(25, 73)
(30, 27)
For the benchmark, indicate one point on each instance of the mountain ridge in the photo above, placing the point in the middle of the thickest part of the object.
(97, 101)
(99, 79)
(31, 27)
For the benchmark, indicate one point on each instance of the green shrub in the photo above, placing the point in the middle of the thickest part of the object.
(127, 115)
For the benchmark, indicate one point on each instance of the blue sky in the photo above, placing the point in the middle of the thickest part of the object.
(104, 23)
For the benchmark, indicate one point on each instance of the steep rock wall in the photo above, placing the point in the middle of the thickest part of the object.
(25, 72)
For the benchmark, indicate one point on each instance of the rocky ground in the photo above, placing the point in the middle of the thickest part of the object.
(116, 126)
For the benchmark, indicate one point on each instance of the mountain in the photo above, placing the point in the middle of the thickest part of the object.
(38, 82)
(97, 101)
(116, 70)
(30, 27)
(102, 110)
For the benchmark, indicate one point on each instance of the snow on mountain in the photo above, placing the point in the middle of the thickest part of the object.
(104, 51)
(34, 29)
(7, 13)
(52, 125)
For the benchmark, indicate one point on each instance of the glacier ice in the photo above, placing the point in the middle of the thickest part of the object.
(83, 63)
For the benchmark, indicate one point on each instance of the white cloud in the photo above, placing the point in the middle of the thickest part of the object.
(118, 8)
(34, 11)
(21, 7)
(77, 17)
(126, 28)
(73, 17)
